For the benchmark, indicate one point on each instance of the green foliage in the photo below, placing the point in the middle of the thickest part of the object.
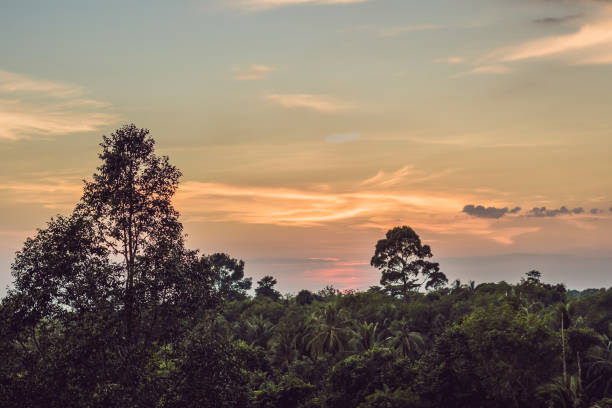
(581, 339)
(255, 330)
(562, 394)
(304, 297)
(206, 371)
(409, 343)
(499, 354)
(603, 403)
(360, 375)
(330, 331)
(385, 398)
(366, 336)
(289, 392)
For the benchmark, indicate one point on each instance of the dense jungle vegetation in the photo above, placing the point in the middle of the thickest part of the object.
(108, 308)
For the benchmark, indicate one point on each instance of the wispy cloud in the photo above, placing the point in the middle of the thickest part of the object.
(483, 140)
(321, 103)
(477, 227)
(14, 83)
(451, 60)
(591, 44)
(486, 70)
(379, 203)
(255, 5)
(54, 193)
(396, 31)
(33, 107)
(304, 207)
(389, 179)
(252, 73)
(407, 175)
(21, 121)
(507, 236)
(342, 137)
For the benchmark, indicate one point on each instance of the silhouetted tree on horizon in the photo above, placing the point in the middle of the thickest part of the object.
(402, 259)
(99, 292)
(265, 288)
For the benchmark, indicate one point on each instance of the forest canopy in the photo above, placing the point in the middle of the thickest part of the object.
(109, 308)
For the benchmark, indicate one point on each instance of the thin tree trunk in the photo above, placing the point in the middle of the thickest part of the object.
(579, 372)
(563, 350)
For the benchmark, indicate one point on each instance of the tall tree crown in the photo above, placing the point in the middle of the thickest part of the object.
(130, 195)
(402, 259)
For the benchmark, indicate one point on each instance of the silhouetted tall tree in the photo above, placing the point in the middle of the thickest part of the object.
(228, 273)
(533, 277)
(129, 201)
(402, 259)
(97, 293)
(265, 288)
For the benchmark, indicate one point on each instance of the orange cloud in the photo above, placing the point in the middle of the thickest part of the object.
(379, 203)
(281, 206)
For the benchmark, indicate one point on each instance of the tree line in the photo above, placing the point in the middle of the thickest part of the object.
(109, 308)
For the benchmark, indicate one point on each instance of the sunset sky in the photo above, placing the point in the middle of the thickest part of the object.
(305, 129)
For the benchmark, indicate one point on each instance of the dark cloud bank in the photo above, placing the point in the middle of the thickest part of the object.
(541, 212)
(557, 20)
(480, 211)
(488, 212)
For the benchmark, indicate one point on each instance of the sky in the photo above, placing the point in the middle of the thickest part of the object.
(305, 129)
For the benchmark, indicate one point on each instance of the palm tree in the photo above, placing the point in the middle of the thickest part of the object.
(301, 328)
(255, 330)
(366, 336)
(472, 286)
(599, 372)
(284, 347)
(290, 340)
(604, 403)
(438, 323)
(410, 343)
(329, 331)
(562, 393)
(456, 285)
(386, 314)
